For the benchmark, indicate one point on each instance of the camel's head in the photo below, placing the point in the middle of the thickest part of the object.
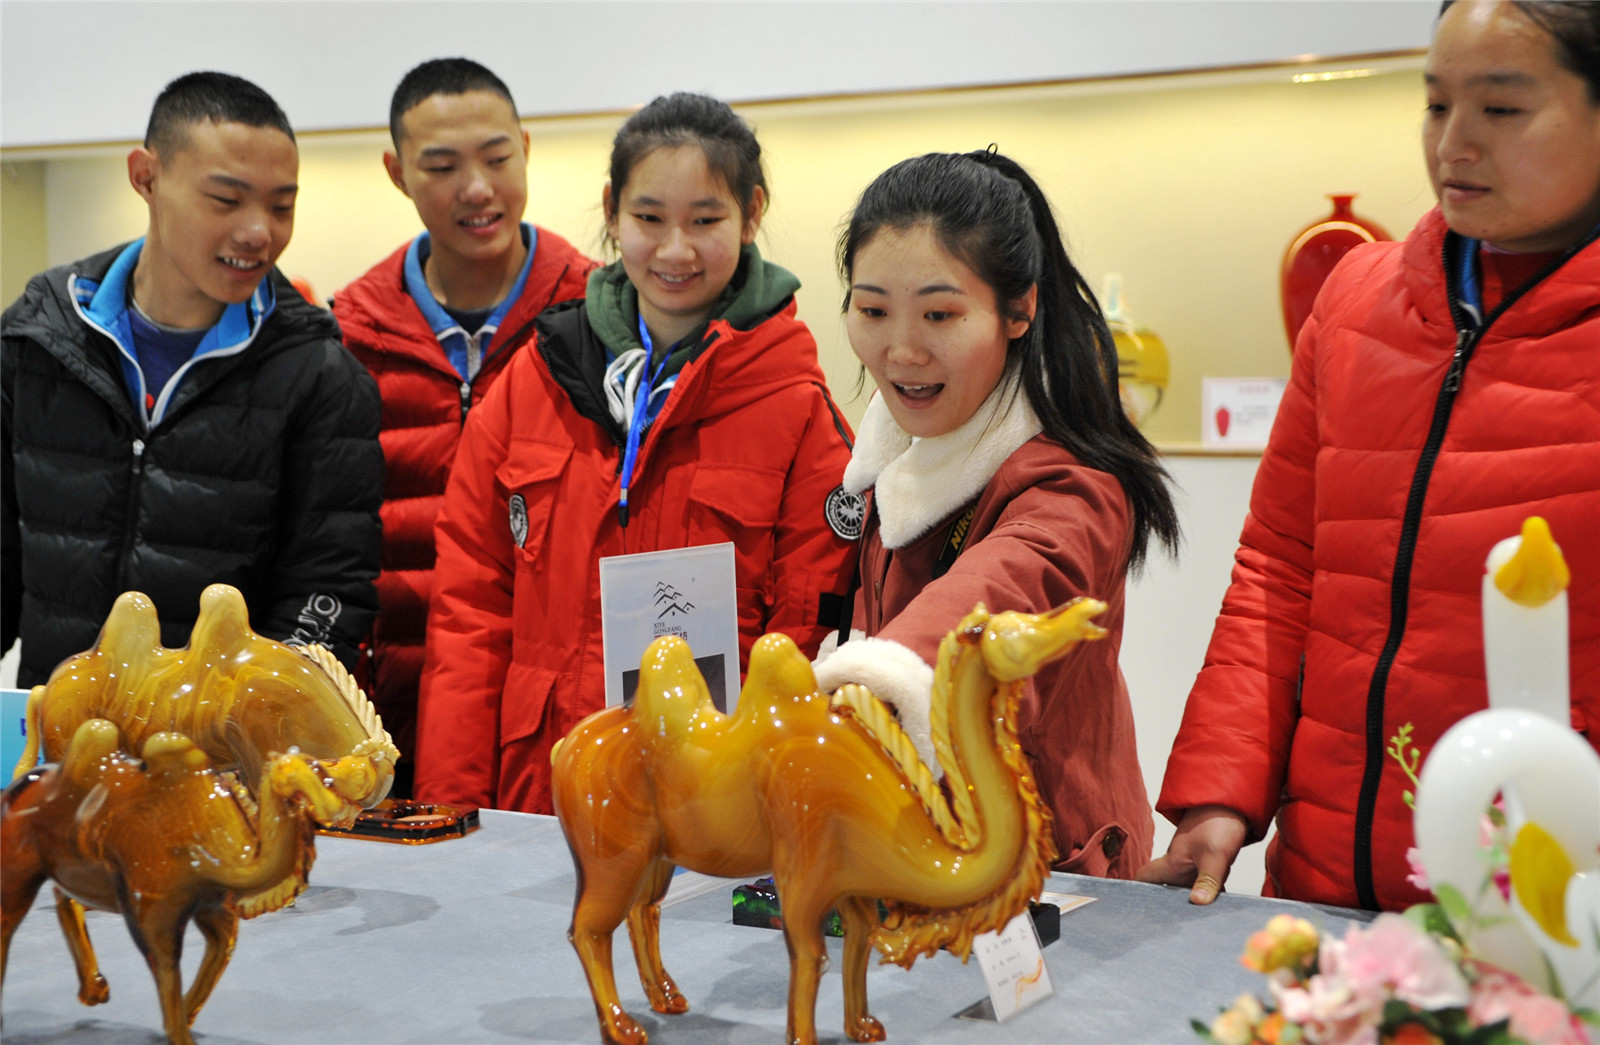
(1015, 645)
(303, 782)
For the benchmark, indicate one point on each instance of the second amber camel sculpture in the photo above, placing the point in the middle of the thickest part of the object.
(160, 841)
(826, 793)
(239, 699)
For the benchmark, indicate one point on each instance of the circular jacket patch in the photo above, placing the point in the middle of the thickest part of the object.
(519, 519)
(845, 512)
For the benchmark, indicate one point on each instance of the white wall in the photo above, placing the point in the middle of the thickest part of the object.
(86, 72)
(1169, 615)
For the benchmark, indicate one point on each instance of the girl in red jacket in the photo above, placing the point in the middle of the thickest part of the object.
(1000, 469)
(1444, 389)
(680, 403)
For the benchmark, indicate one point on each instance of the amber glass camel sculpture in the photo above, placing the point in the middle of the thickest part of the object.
(238, 696)
(161, 842)
(826, 793)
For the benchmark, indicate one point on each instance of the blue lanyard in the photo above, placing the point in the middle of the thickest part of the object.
(641, 409)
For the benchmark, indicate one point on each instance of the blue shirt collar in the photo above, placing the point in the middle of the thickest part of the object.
(466, 352)
(104, 306)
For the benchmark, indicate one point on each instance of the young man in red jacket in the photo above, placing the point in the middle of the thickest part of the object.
(436, 322)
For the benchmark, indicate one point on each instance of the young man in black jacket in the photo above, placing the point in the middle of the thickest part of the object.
(175, 414)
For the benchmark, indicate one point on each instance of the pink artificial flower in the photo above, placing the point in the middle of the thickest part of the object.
(1394, 957)
(1419, 874)
(1536, 1018)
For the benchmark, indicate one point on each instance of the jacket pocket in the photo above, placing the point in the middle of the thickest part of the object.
(530, 482)
(1095, 856)
(738, 504)
(525, 702)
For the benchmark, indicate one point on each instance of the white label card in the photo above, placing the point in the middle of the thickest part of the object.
(688, 592)
(1238, 411)
(1013, 967)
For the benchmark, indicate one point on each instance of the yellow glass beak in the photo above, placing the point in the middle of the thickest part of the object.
(1537, 573)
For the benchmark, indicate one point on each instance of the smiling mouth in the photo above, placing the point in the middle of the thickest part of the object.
(241, 264)
(479, 221)
(675, 279)
(919, 391)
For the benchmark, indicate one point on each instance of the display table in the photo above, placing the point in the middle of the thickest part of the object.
(465, 941)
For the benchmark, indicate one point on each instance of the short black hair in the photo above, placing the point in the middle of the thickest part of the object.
(208, 96)
(442, 76)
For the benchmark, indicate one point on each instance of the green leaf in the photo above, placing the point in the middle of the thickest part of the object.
(1201, 1030)
(1455, 905)
(1430, 918)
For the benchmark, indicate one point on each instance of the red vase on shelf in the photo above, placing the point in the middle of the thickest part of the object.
(1312, 254)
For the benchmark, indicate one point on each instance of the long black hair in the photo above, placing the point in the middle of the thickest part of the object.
(986, 212)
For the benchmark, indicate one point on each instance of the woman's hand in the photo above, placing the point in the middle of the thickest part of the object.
(1201, 853)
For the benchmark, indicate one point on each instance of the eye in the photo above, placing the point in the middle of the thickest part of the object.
(1434, 108)
(284, 208)
(442, 168)
(707, 221)
(1500, 110)
(648, 218)
(871, 311)
(937, 315)
(226, 201)
(499, 161)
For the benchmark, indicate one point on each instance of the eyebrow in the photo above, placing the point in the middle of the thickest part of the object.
(1493, 79)
(240, 185)
(932, 288)
(450, 150)
(705, 204)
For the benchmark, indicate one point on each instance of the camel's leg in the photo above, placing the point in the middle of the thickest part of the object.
(92, 987)
(802, 932)
(159, 934)
(600, 907)
(220, 927)
(644, 930)
(858, 916)
(20, 878)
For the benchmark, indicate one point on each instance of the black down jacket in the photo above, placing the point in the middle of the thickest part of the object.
(264, 473)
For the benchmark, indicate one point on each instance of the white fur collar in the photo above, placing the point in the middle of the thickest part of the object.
(919, 482)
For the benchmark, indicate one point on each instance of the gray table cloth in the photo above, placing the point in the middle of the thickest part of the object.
(465, 941)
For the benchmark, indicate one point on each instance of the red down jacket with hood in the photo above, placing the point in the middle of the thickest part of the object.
(747, 449)
(1382, 489)
(425, 404)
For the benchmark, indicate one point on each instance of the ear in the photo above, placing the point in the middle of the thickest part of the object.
(142, 167)
(525, 145)
(1020, 316)
(396, 171)
(605, 209)
(752, 220)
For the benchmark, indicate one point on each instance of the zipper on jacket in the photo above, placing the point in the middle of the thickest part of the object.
(466, 400)
(1468, 335)
(130, 524)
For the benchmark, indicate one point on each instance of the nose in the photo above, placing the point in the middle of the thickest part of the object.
(675, 245)
(1455, 139)
(254, 233)
(477, 188)
(903, 348)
